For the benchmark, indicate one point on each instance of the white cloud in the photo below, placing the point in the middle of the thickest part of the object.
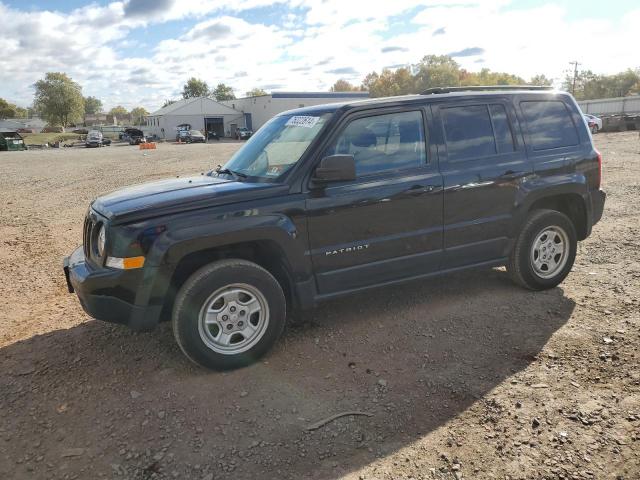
(315, 43)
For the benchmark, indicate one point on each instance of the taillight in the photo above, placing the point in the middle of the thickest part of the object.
(599, 179)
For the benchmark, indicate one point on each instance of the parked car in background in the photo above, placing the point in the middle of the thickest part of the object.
(333, 199)
(193, 136)
(94, 139)
(243, 133)
(81, 131)
(594, 123)
(134, 136)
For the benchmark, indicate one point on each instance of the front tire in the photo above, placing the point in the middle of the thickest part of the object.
(544, 251)
(228, 314)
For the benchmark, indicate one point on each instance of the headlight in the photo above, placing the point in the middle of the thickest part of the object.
(101, 240)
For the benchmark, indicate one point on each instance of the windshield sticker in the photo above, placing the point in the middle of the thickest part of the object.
(275, 170)
(302, 121)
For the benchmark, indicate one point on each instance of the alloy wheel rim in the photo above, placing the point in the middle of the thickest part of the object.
(233, 319)
(549, 251)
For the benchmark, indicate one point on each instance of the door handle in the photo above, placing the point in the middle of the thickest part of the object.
(419, 189)
(511, 175)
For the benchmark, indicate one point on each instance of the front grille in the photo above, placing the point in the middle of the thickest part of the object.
(86, 235)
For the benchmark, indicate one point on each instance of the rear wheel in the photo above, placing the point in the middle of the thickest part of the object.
(228, 314)
(544, 251)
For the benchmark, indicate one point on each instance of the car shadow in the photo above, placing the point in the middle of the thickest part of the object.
(99, 398)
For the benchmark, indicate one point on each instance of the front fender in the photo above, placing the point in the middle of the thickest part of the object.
(225, 230)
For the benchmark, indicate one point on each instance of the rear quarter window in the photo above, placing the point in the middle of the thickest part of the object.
(550, 124)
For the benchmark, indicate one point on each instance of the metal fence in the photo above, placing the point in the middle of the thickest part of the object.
(612, 106)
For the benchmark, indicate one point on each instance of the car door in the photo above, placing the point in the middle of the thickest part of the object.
(484, 165)
(387, 223)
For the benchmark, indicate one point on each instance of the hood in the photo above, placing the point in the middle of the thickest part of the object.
(176, 195)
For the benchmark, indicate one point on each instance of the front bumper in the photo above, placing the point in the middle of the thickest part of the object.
(109, 294)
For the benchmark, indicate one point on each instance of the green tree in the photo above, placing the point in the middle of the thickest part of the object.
(223, 92)
(138, 114)
(436, 71)
(389, 83)
(7, 110)
(255, 92)
(58, 99)
(487, 77)
(195, 88)
(168, 102)
(343, 86)
(92, 105)
(541, 80)
(22, 112)
(119, 111)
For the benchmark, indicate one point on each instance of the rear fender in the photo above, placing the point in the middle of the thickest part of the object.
(574, 184)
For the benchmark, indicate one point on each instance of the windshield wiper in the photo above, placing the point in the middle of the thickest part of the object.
(234, 174)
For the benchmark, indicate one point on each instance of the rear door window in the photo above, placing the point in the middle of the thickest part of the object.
(550, 124)
(468, 132)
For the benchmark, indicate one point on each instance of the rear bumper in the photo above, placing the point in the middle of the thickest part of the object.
(598, 198)
(107, 294)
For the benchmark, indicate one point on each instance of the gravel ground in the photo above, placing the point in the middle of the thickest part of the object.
(466, 376)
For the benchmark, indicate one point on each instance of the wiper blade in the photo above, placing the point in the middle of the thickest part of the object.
(232, 173)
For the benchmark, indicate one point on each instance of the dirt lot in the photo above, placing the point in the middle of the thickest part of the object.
(466, 376)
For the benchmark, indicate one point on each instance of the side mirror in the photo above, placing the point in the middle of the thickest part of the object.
(335, 168)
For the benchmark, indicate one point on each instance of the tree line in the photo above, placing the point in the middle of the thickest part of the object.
(589, 85)
(59, 100)
(441, 70)
(431, 72)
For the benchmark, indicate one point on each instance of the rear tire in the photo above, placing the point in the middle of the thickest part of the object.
(544, 251)
(228, 314)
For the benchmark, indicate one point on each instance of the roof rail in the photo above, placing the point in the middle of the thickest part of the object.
(431, 91)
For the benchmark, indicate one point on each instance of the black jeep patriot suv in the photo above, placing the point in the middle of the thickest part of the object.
(328, 200)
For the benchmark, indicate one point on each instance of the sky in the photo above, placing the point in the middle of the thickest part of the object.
(141, 52)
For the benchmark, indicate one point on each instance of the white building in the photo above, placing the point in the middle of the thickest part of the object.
(205, 114)
(257, 110)
(202, 113)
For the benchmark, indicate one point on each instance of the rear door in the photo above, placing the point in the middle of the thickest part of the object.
(483, 163)
(387, 224)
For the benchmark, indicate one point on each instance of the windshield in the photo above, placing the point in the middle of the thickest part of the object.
(195, 132)
(277, 146)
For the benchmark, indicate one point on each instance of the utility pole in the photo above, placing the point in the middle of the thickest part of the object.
(575, 76)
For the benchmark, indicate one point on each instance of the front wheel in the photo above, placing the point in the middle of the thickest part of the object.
(228, 314)
(544, 251)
